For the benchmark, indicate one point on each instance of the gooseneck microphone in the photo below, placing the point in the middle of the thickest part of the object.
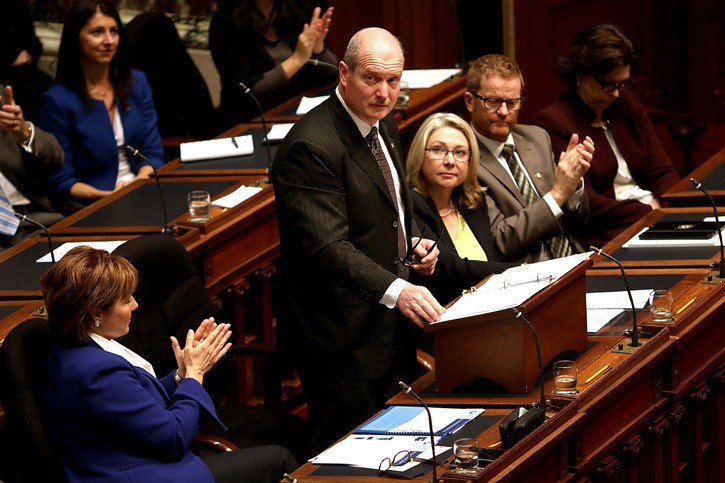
(248, 92)
(521, 421)
(635, 333)
(41, 226)
(698, 186)
(410, 391)
(136, 154)
(322, 63)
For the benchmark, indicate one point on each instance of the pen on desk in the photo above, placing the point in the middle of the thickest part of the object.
(234, 142)
(494, 445)
(598, 373)
(685, 306)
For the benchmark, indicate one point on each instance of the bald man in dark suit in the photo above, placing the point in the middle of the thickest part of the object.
(345, 242)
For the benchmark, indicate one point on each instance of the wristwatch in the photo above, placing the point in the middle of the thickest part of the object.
(177, 378)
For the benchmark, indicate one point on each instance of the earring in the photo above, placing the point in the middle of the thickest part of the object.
(97, 323)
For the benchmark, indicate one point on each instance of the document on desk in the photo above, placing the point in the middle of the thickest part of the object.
(512, 287)
(641, 241)
(108, 245)
(424, 78)
(602, 307)
(309, 103)
(239, 195)
(367, 451)
(216, 148)
(413, 421)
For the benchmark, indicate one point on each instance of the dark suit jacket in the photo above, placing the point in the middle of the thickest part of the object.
(116, 422)
(338, 243)
(521, 231)
(27, 171)
(454, 274)
(636, 139)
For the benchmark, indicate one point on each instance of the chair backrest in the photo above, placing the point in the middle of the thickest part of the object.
(181, 96)
(23, 358)
(171, 300)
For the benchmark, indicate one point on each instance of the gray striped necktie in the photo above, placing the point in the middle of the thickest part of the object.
(558, 245)
(8, 222)
(374, 143)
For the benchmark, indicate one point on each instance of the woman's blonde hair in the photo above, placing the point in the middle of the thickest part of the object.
(469, 192)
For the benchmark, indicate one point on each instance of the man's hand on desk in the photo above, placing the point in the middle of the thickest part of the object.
(419, 305)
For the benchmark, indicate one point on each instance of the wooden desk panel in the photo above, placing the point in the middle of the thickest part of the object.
(15, 312)
(710, 174)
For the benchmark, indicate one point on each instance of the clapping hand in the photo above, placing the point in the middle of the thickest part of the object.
(203, 348)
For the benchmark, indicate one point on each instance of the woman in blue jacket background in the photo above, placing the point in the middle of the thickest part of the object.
(98, 107)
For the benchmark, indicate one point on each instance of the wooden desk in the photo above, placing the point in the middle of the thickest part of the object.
(712, 176)
(14, 312)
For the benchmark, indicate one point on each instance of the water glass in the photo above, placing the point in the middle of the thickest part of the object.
(661, 305)
(199, 206)
(466, 453)
(565, 378)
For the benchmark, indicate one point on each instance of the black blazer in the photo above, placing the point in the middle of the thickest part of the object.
(454, 274)
(338, 243)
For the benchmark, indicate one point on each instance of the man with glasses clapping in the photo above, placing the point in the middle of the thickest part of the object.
(542, 202)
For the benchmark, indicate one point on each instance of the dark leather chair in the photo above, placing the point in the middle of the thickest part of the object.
(23, 356)
(173, 300)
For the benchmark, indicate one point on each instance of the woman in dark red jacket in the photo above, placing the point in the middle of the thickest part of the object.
(630, 169)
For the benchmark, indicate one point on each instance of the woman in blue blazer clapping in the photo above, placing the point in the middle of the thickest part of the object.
(113, 419)
(98, 107)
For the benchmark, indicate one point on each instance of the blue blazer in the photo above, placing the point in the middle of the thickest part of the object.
(86, 135)
(116, 422)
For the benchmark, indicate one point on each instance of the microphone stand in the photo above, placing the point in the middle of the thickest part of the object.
(634, 344)
(136, 154)
(410, 391)
(247, 91)
(47, 233)
(698, 185)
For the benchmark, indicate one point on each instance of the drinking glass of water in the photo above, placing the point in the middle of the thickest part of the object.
(199, 206)
(466, 452)
(565, 378)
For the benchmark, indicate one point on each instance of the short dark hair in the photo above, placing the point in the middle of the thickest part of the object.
(70, 72)
(596, 50)
(84, 280)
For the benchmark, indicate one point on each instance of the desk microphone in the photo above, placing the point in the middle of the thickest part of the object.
(410, 391)
(635, 333)
(136, 154)
(698, 186)
(248, 92)
(521, 421)
(47, 233)
(317, 62)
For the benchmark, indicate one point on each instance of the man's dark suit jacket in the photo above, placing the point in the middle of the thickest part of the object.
(454, 274)
(520, 231)
(338, 243)
(24, 170)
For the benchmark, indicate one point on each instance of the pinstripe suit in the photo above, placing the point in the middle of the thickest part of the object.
(519, 230)
(338, 242)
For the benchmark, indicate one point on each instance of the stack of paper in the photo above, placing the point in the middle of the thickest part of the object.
(216, 148)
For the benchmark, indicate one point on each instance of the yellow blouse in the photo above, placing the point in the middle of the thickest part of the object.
(466, 243)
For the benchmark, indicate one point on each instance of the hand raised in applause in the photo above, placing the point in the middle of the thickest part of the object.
(573, 164)
(203, 348)
(12, 118)
(419, 305)
(312, 38)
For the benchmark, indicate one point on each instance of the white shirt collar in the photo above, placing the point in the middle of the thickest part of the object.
(120, 350)
(492, 145)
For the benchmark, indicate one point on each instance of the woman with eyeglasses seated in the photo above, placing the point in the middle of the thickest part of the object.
(449, 202)
(113, 418)
(630, 169)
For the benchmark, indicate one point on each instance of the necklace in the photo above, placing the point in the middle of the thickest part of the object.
(451, 207)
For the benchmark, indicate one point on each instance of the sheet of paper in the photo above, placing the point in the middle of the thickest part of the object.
(216, 148)
(618, 299)
(424, 78)
(414, 419)
(309, 103)
(368, 451)
(279, 131)
(239, 195)
(108, 245)
(598, 318)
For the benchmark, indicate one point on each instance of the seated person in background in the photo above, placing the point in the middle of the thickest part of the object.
(114, 420)
(98, 107)
(267, 45)
(448, 201)
(26, 153)
(20, 51)
(632, 169)
(542, 202)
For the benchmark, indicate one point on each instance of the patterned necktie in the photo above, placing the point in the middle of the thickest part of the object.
(8, 222)
(558, 245)
(374, 143)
